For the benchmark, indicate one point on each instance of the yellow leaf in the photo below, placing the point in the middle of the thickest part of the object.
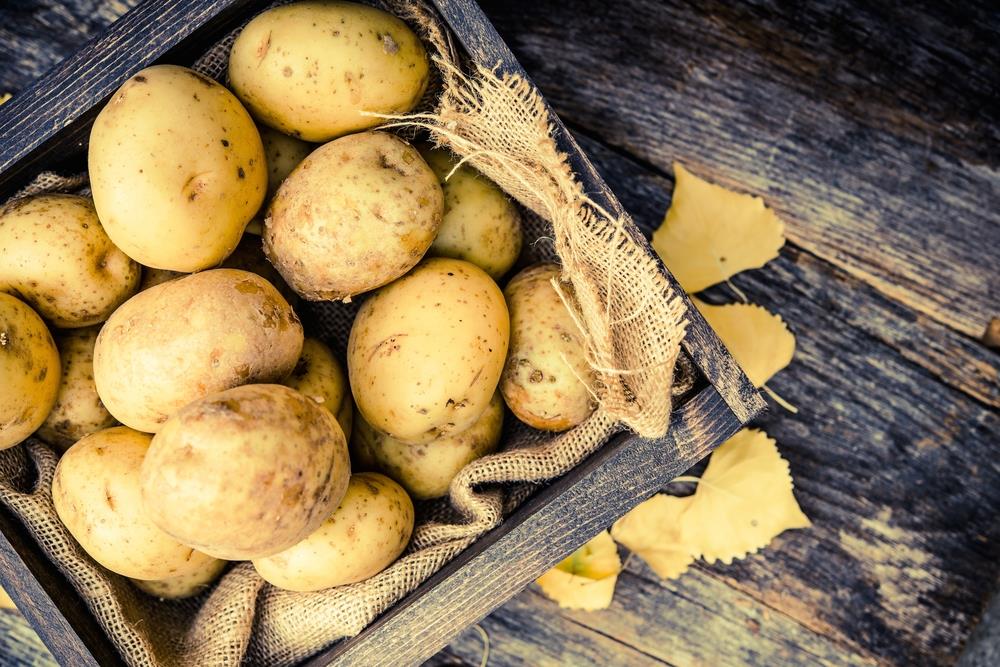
(759, 340)
(711, 233)
(652, 530)
(743, 500)
(586, 578)
(5, 601)
(4, 97)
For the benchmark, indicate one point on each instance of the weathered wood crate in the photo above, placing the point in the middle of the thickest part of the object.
(46, 128)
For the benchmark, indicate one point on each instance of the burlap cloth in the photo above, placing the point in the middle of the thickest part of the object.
(633, 324)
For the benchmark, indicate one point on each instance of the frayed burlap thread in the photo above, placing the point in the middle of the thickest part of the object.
(630, 318)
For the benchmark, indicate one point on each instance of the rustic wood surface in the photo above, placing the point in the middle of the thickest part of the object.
(874, 132)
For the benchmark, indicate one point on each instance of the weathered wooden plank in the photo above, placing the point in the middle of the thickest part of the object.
(19, 645)
(700, 621)
(872, 130)
(948, 356)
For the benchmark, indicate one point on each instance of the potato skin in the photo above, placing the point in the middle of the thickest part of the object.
(426, 471)
(481, 224)
(96, 495)
(246, 472)
(309, 69)
(425, 353)
(57, 258)
(356, 214)
(283, 154)
(319, 375)
(177, 169)
(185, 585)
(191, 337)
(543, 378)
(29, 368)
(367, 532)
(78, 410)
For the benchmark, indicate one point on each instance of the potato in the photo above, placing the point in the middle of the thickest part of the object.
(58, 259)
(546, 368)
(29, 368)
(283, 154)
(97, 497)
(249, 256)
(78, 410)
(425, 353)
(152, 277)
(247, 472)
(356, 214)
(366, 533)
(191, 337)
(177, 169)
(320, 376)
(481, 224)
(426, 471)
(309, 69)
(186, 585)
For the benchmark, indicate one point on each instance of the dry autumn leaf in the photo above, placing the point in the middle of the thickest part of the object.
(711, 233)
(743, 500)
(5, 601)
(586, 578)
(759, 340)
(652, 530)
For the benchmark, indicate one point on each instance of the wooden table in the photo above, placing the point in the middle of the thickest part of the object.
(875, 132)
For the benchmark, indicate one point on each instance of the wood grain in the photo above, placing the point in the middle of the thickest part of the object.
(19, 645)
(871, 130)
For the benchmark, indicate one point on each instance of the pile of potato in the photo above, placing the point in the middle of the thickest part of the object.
(152, 340)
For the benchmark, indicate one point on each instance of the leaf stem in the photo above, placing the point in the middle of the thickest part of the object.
(779, 400)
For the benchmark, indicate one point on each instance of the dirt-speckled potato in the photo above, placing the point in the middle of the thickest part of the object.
(320, 376)
(191, 337)
(426, 352)
(309, 69)
(247, 472)
(481, 224)
(55, 255)
(186, 585)
(426, 471)
(78, 410)
(29, 371)
(356, 214)
(283, 153)
(249, 256)
(152, 277)
(367, 532)
(543, 378)
(177, 169)
(97, 497)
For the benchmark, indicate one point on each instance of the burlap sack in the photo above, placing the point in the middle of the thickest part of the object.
(632, 321)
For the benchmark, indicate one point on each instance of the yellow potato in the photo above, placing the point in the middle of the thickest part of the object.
(249, 256)
(367, 532)
(247, 472)
(97, 497)
(426, 471)
(309, 69)
(186, 585)
(153, 277)
(356, 214)
(543, 378)
(191, 337)
(55, 255)
(177, 169)
(29, 371)
(320, 376)
(283, 153)
(481, 224)
(78, 410)
(426, 352)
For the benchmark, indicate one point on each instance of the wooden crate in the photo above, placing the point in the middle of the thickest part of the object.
(46, 127)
